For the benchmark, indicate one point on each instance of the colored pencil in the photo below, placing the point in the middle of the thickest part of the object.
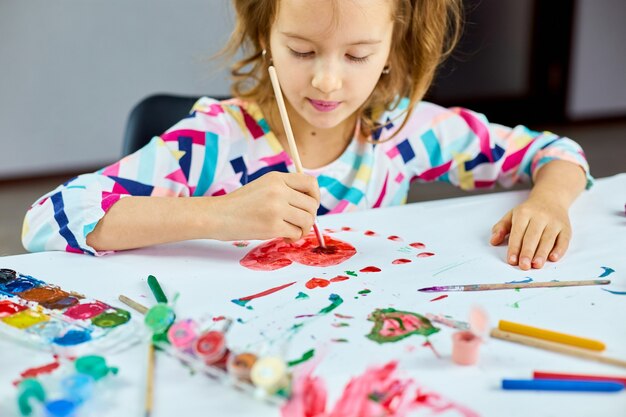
(290, 139)
(578, 377)
(560, 385)
(157, 291)
(556, 347)
(133, 304)
(550, 335)
(513, 286)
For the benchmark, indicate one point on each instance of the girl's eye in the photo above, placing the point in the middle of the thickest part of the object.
(300, 54)
(358, 59)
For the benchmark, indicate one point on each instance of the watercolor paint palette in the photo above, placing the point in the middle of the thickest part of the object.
(54, 319)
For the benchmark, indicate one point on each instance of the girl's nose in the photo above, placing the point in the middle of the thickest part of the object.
(326, 79)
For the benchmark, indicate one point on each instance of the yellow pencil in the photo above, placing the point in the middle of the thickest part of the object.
(566, 339)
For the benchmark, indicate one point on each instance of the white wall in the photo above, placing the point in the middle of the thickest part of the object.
(598, 65)
(71, 70)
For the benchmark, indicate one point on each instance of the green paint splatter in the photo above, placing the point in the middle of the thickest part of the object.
(517, 290)
(305, 357)
(301, 296)
(242, 303)
(340, 340)
(365, 291)
(398, 325)
(405, 249)
(515, 304)
(335, 301)
(352, 273)
(342, 324)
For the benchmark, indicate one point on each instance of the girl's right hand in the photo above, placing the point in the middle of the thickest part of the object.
(274, 205)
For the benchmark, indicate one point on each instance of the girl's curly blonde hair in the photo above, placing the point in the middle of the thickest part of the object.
(424, 34)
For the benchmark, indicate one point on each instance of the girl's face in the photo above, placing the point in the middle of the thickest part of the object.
(329, 55)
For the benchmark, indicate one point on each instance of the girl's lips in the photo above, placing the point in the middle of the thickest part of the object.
(324, 106)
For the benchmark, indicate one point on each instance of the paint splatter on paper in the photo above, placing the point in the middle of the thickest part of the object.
(391, 325)
(370, 269)
(441, 297)
(244, 300)
(401, 261)
(277, 253)
(607, 271)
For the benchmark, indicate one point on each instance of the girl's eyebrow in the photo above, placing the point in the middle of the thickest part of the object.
(361, 42)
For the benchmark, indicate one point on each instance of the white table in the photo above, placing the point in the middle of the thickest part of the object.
(208, 276)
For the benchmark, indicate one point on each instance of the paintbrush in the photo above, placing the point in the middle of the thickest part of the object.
(291, 140)
(515, 286)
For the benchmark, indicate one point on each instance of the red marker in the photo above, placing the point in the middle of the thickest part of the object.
(578, 377)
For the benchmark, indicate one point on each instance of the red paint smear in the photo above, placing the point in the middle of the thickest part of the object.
(430, 345)
(370, 269)
(219, 318)
(330, 230)
(317, 282)
(40, 370)
(417, 245)
(370, 233)
(425, 254)
(401, 261)
(339, 278)
(266, 292)
(347, 229)
(343, 316)
(277, 253)
(395, 238)
(441, 297)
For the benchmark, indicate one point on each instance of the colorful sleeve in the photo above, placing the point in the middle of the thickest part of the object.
(182, 162)
(461, 147)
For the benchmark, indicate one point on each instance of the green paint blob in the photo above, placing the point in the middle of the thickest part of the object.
(93, 365)
(29, 388)
(159, 318)
(340, 340)
(365, 291)
(305, 357)
(335, 300)
(111, 318)
(351, 273)
(515, 304)
(301, 296)
(391, 325)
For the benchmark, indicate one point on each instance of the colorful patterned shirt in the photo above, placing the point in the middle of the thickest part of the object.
(222, 146)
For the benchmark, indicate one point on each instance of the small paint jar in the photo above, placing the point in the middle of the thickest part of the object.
(211, 348)
(270, 374)
(465, 348)
(182, 334)
(239, 365)
(159, 318)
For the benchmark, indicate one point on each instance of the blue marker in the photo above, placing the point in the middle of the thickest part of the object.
(561, 385)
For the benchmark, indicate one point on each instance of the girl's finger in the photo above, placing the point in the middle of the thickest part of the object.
(518, 228)
(562, 243)
(545, 246)
(532, 235)
(303, 202)
(302, 219)
(500, 229)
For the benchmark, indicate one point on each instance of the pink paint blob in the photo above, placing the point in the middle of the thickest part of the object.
(277, 253)
(417, 245)
(425, 254)
(401, 261)
(86, 311)
(370, 269)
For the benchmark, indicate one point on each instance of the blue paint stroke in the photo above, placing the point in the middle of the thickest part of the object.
(242, 303)
(524, 281)
(73, 337)
(614, 292)
(607, 271)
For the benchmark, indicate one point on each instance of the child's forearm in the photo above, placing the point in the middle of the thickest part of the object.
(559, 181)
(135, 222)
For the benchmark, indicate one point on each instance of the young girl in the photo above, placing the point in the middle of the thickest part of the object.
(353, 74)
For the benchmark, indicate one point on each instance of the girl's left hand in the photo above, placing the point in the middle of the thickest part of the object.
(539, 230)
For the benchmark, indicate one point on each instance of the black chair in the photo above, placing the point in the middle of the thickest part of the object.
(154, 115)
